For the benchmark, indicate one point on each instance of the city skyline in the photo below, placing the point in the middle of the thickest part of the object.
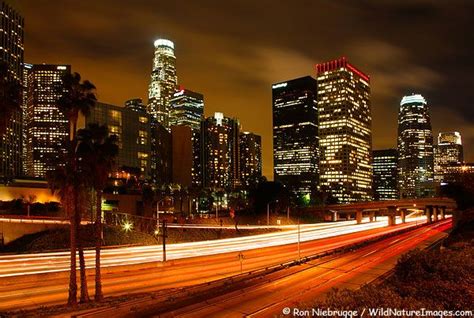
(264, 58)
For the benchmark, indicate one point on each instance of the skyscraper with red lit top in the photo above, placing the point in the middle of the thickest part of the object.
(345, 131)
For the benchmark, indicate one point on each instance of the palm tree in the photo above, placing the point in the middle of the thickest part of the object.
(9, 97)
(76, 97)
(98, 152)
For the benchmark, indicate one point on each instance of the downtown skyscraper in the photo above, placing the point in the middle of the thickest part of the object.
(250, 158)
(295, 135)
(447, 153)
(47, 128)
(163, 83)
(187, 108)
(11, 55)
(345, 132)
(415, 148)
(385, 164)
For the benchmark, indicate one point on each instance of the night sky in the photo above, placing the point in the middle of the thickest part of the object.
(233, 50)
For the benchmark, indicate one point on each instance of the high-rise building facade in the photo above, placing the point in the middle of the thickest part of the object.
(415, 148)
(164, 81)
(448, 152)
(11, 54)
(47, 127)
(345, 132)
(295, 134)
(161, 154)
(220, 152)
(187, 108)
(385, 163)
(133, 129)
(250, 158)
(182, 154)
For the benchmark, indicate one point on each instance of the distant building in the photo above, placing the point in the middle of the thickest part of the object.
(161, 154)
(135, 104)
(456, 172)
(295, 134)
(182, 148)
(133, 129)
(415, 148)
(11, 53)
(47, 127)
(448, 152)
(164, 81)
(187, 108)
(345, 131)
(250, 158)
(385, 174)
(220, 152)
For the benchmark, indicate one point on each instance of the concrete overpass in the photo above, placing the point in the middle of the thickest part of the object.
(434, 209)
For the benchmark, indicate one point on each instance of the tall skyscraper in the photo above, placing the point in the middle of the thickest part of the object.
(250, 158)
(47, 128)
(11, 53)
(187, 108)
(295, 134)
(385, 174)
(345, 132)
(448, 152)
(164, 81)
(220, 152)
(415, 148)
(182, 149)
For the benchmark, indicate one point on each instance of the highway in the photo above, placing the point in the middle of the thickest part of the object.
(266, 297)
(137, 269)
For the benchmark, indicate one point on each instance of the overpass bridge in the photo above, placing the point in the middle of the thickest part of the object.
(433, 208)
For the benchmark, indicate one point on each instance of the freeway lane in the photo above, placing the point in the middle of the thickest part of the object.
(41, 263)
(308, 282)
(52, 289)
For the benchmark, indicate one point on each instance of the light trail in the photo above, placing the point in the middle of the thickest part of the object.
(50, 262)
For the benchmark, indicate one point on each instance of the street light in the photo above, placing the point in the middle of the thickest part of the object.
(268, 211)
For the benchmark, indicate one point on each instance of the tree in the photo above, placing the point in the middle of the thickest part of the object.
(76, 97)
(98, 152)
(9, 97)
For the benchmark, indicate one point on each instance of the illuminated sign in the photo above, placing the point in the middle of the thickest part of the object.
(61, 67)
(279, 85)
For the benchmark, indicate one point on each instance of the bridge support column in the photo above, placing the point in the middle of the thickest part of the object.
(359, 216)
(372, 216)
(435, 213)
(443, 212)
(392, 212)
(403, 215)
(335, 216)
(429, 213)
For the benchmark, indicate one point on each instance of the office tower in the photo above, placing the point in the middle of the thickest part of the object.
(250, 158)
(187, 108)
(448, 152)
(220, 152)
(135, 104)
(161, 154)
(133, 130)
(164, 81)
(11, 54)
(197, 158)
(24, 111)
(47, 127)
(182, 154)
(385, 174)
(295, 135)
(345, 133)
(415, 148)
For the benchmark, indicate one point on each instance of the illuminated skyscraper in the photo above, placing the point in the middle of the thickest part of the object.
(345, 133)
(47, 128)
(448, 152)
(415, 148)
(187, 108)
(220, 152)
(385, 174)
(11, 53)
(295, 135)
(164, 81)
(250, 158)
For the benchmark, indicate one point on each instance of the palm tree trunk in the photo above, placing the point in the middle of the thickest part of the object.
(82, 264)
(98, 225)
(72, 299)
